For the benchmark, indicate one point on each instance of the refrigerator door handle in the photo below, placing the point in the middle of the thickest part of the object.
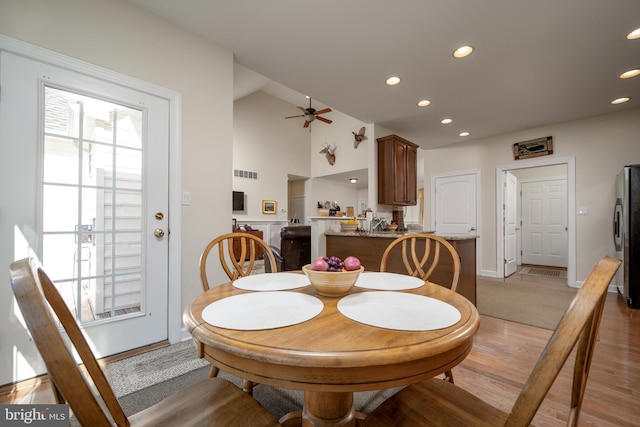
(617, 230)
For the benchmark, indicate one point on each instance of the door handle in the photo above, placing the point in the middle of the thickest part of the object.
(158, 232)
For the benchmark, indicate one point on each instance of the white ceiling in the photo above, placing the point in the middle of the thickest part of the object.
(536, 62)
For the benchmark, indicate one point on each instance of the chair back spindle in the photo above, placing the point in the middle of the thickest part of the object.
(420, 254)
(236, 260)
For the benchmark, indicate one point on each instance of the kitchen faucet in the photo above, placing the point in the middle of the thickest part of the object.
(378, 224)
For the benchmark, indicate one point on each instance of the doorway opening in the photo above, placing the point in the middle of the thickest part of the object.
(521, 168)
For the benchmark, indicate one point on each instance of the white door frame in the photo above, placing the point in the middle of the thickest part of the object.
(19, 47)
(570, 162)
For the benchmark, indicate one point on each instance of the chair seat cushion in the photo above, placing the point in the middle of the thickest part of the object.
(434, 403)
(210, 402)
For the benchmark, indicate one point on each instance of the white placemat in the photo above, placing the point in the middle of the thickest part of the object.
(399, 311)
(271, 282)
(262, 310)
(385, 281)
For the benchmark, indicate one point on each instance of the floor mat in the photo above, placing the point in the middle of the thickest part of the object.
(546, 272)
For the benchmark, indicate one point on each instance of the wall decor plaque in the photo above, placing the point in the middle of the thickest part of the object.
(533, 148)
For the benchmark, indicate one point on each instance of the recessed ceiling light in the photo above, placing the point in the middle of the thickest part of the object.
(630, 73)
(353, 180)
(464, 134)
(393, 80)
(462, 51)
(620, 100)
(446, 121)
(635, 34)
(424, 103)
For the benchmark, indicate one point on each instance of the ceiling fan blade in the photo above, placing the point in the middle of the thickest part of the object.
(306, 124)
(291, 117)
(326, 110)
(322, 119)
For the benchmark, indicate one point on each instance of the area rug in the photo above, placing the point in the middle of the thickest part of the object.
(544, 272)
(134, 373)
(522, 304)
(278, 401)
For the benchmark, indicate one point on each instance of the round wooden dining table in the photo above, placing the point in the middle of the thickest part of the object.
(330, 356)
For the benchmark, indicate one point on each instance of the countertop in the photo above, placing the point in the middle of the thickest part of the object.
(395, 234)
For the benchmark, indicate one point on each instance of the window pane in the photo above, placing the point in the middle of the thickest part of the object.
(129, 128)
(60, 160)
(126, 214)
(61, 112)
(59, 255)
(129, 168)
(60, 205)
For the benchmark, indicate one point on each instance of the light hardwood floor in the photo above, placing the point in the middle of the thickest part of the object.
(502, 357)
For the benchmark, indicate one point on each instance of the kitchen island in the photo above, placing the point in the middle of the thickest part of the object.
(369, 247)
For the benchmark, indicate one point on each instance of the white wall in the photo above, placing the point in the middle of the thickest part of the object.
(338, 134)
(266, 143)
(601, 146)
(117, 35)
(348, 158)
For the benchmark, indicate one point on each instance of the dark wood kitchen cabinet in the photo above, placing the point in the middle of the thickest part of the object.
(397, 171)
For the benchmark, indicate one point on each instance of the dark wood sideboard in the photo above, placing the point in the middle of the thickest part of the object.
(237, 249)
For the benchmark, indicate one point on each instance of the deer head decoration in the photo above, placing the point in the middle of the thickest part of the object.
(359, 137)
(329, 151)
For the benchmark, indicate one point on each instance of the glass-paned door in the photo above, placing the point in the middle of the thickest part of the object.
(93, 183)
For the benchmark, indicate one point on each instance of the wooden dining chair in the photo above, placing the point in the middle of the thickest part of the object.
(237, 253)
(439, 403)
(213, 401)
(420, 254)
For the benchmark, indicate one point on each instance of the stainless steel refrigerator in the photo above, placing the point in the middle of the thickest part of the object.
(626, 233)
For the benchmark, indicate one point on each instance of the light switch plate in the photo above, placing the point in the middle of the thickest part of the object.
(186, 198)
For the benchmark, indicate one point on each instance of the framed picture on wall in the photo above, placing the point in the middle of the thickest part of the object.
(268, 206)
(533, 148)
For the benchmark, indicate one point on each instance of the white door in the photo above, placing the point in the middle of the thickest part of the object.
(455, 204)
(510, 218)
(94, 168)
(544, 223)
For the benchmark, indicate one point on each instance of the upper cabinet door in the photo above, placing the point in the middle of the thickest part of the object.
(397, 171)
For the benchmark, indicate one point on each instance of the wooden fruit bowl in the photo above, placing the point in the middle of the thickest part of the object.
(332, 283)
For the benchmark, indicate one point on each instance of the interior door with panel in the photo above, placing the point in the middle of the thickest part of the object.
(456, 204)
(96, 170)
(544, 223)
(510, 219)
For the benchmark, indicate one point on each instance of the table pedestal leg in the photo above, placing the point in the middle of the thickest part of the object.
(324, 409)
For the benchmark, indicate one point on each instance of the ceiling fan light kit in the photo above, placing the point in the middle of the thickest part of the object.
(311, 114)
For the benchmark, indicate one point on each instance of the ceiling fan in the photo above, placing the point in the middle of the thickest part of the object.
(310, 114)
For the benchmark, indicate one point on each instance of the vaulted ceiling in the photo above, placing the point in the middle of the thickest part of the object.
(534, 62)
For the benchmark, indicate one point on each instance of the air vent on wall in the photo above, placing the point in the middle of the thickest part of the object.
(245, 174)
